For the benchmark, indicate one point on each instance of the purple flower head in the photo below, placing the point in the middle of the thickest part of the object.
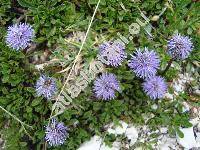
(56, 133)
(105, 86)
(46, 86)
(113, 53)
(155, 87)
(179, 47)
(144, 64)
(19, 36)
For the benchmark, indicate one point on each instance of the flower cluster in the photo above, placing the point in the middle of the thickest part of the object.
(105, 86)
(19, 36)
(46, 86)
(179, 47)
(56, 133)
(144, 64)
(113, 53)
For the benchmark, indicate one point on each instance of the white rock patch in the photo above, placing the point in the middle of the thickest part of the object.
(96, 143)
(188, 141)
(132, 135)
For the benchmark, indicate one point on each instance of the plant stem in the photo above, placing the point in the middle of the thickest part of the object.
(168, 66)
(77, 56)
(22, 123)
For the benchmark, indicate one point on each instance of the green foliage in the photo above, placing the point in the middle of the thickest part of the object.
(53, 21)
(4, 11)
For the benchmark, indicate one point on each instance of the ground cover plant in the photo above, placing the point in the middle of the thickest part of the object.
(51, 47)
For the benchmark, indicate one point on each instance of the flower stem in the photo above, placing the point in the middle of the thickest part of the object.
(168, 66)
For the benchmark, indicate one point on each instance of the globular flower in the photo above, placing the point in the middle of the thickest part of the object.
(144, 63)
(155, 87)
(179, 47)
(113, 53)
(19, 36)
(105, 86)
(56, 133)
(46, 86)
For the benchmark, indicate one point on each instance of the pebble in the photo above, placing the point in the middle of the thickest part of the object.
(186, 107)
(119, 129)
(198, 127)
(155, 18)
(154, 106)
(169, 96)
(132, 135)
(163, 130)
(166, 143)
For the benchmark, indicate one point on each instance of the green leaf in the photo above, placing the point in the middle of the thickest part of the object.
(36, 102)
(29, 109)
(23, 144)
(92, 2)
(40, 39)
(26, 3)
(180, 133)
